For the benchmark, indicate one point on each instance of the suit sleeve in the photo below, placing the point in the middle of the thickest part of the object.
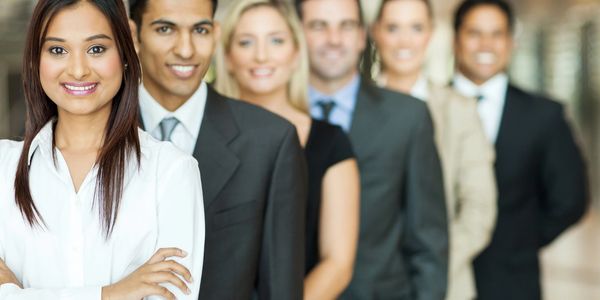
(281, 266)
(476, 193)
(564, 179)
(426, 231)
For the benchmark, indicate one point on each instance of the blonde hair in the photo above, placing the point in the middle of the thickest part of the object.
(297, 88)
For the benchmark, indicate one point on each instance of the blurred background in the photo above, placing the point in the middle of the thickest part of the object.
(558, 47)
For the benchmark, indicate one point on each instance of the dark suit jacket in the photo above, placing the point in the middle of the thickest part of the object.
(254, 185)
(403, 245)
(542, 190)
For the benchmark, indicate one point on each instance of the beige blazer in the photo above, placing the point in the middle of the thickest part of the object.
(468, 167)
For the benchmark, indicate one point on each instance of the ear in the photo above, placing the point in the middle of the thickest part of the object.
(134, 35)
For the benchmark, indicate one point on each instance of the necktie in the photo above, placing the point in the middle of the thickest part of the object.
(326, 108)
(479, 97)
(167, 125)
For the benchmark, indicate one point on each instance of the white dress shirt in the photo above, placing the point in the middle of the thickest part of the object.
(190, 116)
(69, 258)
(420, 89)
(491, 106)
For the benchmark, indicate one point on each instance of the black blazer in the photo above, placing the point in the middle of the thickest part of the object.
(403, 245)
(254, 185)
(542, 190)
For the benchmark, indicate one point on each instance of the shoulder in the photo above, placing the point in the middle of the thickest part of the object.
(255, 120)
(537, 104)
(10, 152)
(394, 102)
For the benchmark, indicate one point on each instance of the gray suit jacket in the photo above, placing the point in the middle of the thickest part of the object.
(403, 245)
(255, 189)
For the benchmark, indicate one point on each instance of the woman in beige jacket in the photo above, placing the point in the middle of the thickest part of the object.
(401, 34)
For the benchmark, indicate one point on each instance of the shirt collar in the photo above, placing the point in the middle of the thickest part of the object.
(43, 141)
(420, 89)
(493, 88)
(344, 98)
(189, 114)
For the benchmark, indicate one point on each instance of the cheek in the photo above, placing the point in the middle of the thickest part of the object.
(50, 71)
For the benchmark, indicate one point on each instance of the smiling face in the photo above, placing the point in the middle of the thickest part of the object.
(402, 35)
(176, 42)
(483, 44)
(263, 54)
(80, 67)
(335, 38)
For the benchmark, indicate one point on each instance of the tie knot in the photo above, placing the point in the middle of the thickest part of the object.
(167, 126)
(326, 108)
(479, 97)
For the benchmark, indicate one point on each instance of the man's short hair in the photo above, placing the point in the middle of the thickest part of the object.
(298, 6)
(138, 7)
(468, 5)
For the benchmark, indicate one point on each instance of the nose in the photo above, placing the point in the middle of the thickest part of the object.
(261, 53)
(184, 47)
(78, 67)
(333, 36)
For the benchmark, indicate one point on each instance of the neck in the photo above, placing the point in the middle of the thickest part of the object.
(330, 86)
(276, 101)
(81, 132)
(166, 99)
(400, 82)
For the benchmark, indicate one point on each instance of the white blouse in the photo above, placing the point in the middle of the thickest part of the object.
(161, 206)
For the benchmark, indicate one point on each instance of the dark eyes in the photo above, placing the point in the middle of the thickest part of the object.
(163, 29)
(94, 50)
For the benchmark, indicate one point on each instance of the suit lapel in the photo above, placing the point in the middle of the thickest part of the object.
(217, 162)
(369, 116)
(508, 123)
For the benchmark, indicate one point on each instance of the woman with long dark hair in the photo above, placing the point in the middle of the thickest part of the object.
(90, 206)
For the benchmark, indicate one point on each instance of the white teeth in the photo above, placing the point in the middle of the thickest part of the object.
(183, 69)
(404, 54)
(485, 58)
(80, 88)
(262, 72)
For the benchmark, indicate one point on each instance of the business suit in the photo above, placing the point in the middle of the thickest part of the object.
(542, 189)
(254, 185)
(468, 166)
(402, 251)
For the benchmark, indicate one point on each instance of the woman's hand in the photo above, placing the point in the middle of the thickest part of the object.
(146, 279)
(7, 276)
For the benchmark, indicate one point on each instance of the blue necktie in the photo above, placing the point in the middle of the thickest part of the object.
(167, 126)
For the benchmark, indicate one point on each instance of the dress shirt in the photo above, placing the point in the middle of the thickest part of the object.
(69, 257)
(491, 106)
(190, 116)
(421, 89)
(345, 101)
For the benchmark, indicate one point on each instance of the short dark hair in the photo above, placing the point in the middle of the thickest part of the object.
(468, 5)
(298, 6)
(138, 7)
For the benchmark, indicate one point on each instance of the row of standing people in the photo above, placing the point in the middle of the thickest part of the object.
(420, 220)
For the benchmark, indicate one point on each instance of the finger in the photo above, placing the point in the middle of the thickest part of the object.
(166, 276)
(175, 267)
(162, 254)
(157, 290)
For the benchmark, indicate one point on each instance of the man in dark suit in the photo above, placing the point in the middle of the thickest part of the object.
(251, 163)
(540, 173)
(402, 251)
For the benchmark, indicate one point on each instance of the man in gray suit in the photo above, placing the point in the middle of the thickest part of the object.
(402, 252)
(252, 166)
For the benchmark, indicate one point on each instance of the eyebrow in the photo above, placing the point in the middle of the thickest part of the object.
(91, 38)
(169, 23)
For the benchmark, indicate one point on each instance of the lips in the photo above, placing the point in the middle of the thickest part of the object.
(80, 88)
(485, 58)
(404, 54)
(262, 72)
(183, 71)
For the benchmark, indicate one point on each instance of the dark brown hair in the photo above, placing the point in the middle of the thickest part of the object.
(121, 136)
(137, 8)
(299, 11)
(468, 5)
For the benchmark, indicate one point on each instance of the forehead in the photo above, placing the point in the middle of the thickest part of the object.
(405, 10)
(80, 20)
(178, 10)
(261, 18)
(486, 17)
(331, 11)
